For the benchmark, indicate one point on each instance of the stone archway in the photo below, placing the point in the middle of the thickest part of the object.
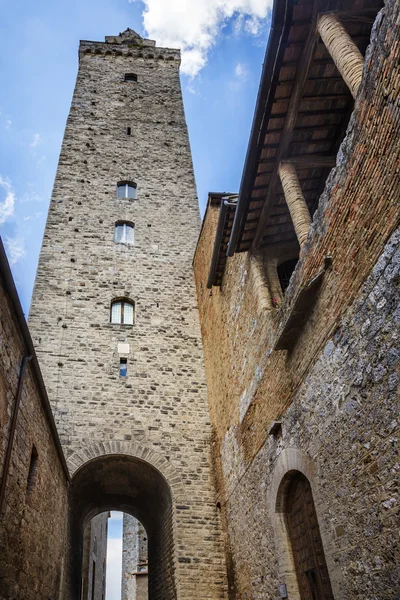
(136, 450)
(133, 479)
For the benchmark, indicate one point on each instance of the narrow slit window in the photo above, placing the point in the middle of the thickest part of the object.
(124, 232)
(128, 131)
(122, 312)
(123, 367)
(126, 189)
(32, 472)
(131, 77)
(285, 271)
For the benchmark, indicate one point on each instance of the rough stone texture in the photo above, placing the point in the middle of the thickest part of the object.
(94, 558)
(134, 560)
(162, 404)
(33, 521)
(335, 390)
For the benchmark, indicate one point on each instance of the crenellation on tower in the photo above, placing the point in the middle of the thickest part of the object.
(129, 44)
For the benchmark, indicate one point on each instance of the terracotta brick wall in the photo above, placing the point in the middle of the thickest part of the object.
(334, 391)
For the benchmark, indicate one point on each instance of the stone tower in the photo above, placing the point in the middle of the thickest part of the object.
(114, 315)
(134, 583)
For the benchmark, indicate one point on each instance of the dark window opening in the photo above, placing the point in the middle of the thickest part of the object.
(123, 367)
(32, 472)
(93, 579)
(285, 271)
(128, 131)
(130, 77)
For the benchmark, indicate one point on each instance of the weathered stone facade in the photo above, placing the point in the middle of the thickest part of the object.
(134, 560)
(160, 408)
(130, 400)
(94, 561)
(34, 506)
(334, 392)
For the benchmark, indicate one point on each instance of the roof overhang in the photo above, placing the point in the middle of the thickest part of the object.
(302, 111)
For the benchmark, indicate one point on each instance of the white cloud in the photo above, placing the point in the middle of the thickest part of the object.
(5, 120)
(15, 249)
(8, 204)
(241, 71)
(31, 197)
(114, 569)
(36, 140)
(195, 25)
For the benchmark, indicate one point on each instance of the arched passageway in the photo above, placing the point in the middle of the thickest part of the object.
(133, 486)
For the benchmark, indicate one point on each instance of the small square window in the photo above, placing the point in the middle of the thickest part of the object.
(123, 367)
(130, 77)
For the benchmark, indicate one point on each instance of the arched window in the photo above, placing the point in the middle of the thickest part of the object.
(126, 189)
(122, 312)
(124, 232)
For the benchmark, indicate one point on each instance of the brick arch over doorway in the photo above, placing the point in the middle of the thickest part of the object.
(134, 450)
(132, 485)
(290, 462)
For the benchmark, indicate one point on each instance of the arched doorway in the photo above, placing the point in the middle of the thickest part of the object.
(133, 486)
(305, 538)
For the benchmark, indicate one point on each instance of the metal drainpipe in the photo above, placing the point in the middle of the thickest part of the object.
(10, 443)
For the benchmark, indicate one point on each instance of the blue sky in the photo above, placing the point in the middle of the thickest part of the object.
(114, 556)
(223, 45)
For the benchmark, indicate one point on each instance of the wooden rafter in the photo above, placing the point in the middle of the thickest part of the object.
(294, 104)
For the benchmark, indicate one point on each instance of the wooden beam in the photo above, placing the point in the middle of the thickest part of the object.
(309, 161)
(294, 103)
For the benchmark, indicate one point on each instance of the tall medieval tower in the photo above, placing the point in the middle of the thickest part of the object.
(114, 314)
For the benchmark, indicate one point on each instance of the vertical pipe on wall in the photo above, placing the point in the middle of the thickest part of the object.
(11, 436)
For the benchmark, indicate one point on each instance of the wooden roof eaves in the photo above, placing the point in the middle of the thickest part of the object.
(213, 199)
(219, 257)
(280, 24)
(291, 116)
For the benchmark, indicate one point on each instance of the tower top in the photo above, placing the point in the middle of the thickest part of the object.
(129, 36)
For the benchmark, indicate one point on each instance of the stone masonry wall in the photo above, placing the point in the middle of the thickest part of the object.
(162, 403)
(33, 520)
(335, 390)
(95, 558)
(134, 557)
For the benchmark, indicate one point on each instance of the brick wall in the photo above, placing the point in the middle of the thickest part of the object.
(33, 519)
(334, 391)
